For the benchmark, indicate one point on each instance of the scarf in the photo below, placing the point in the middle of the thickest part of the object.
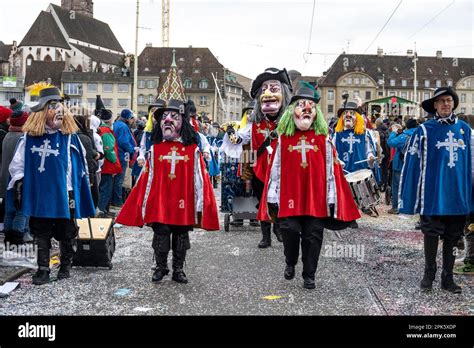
(451, 119)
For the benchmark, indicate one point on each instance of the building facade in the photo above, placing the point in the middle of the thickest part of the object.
(370, 77)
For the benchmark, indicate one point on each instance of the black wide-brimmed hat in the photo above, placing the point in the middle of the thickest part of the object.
(46, 95)
(305, 93)
(428, 104)
(172, 105)
(157, 103)
(270, 74)
(250, 106)
(350, 105)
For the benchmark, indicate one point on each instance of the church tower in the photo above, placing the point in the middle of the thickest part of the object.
(85, 7)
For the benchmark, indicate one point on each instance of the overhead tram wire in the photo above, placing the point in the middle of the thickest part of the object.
(305, 55)
(380, 31)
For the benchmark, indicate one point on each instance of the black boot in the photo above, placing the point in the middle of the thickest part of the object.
(289, 272)
(447, 281)
(431, 249)
(178, 263)
(42, 275)
(180, 246)
(161, 245)
(266, 234)
(161, 269)
(13, 238)
(276, 230)
(67, 252)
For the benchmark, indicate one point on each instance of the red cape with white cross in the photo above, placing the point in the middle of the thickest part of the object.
(165, 191)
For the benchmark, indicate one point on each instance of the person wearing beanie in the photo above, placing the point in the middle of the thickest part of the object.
(436, 182)
(16, 105)
(398, 140)
(15, 223)
(111, 165)
(126, 147)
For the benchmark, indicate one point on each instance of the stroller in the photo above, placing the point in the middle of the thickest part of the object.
(237, 198)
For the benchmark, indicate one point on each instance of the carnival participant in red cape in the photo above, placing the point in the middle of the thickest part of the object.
(272, 92)
(174, 192)
(305, 186)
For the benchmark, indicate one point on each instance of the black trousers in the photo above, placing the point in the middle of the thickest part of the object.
(47, 228)
(167, 236)
(308, 230)
(449, 227)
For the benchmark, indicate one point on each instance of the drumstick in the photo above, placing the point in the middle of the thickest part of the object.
(364, 160)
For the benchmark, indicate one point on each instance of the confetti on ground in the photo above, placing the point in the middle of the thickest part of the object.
(272, 297)
(122, 292)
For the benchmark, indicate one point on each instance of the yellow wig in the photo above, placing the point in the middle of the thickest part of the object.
(35, 126)
(359, 124)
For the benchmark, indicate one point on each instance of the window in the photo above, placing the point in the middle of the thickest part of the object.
(107, 102)
(123, 88)
(188, 83)
(237, 102)
(107, 87)
(415, 83)
(237, 115)
(426, 95)
(356, 81)
(73, 88)
(150, 84)
(232, 116)
(392, 82)
(391, 93)
(404, 95)
(472, 111)
(74, 102)
(356, 94)
(330, 108)
(92, 87)
(463, 97)
(349, 80)
(463, 110)
(438, 83)
(151, 98)
(330, 94)
(380, 94)
(203, 100)
(141, 83)
(404, 83)
(231, 101)
(123, 103)
(368, 95)
(449, 82)
(203, 84)
(427, 83)
(141, 99)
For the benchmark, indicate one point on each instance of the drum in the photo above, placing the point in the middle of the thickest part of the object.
(364, 188)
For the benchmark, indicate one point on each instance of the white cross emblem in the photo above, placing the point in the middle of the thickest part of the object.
(173, 158)
(302, 149)
(452, 146)
(351, 141)
(414, 150)
(44, 151)
(265, 132)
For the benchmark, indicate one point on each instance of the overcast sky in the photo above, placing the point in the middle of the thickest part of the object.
(249, 36)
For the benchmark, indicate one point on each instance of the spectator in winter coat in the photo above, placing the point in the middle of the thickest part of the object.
(15, 223)
(397, 141)
(126, 148)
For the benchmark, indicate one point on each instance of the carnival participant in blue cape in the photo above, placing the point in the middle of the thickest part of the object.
(50, 180)
(354, 143)
(436, 182)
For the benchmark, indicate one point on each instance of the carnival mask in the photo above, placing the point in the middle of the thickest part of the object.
(349, 119)
(271, 98)
(170, 124)
(55, 115)
(304, 114)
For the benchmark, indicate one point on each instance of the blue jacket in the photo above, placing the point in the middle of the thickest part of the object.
(125, 141)
(398, 141)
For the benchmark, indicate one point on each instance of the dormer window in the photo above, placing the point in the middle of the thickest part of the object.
(197, 60)
(181, 59)
(429, 71)
(379, 70)
(163, 71)
(395, 69)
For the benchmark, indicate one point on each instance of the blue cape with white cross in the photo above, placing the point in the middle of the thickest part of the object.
(45, 190)
(436, 176)
(351, 148)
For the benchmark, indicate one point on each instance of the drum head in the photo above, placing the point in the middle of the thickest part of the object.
(359, 175)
